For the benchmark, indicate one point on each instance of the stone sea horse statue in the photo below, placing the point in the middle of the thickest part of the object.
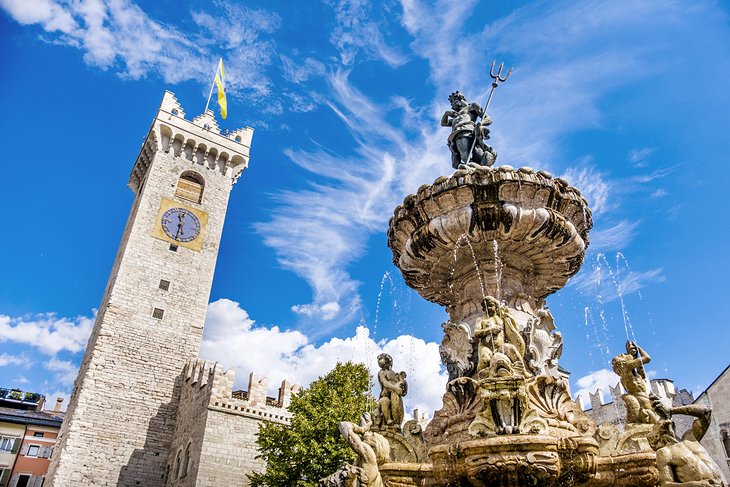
(372, 451)
(683, 462)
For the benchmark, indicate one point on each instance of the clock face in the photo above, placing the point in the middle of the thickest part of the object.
(180, 224)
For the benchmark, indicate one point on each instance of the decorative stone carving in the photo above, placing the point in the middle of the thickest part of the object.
(549, 397)
(372, 451)
(456, 349)
(496, 332)
(683, 462)
(544, 345)
(393, 386)
(629, 367)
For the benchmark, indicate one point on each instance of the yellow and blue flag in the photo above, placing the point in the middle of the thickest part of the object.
(220, 82)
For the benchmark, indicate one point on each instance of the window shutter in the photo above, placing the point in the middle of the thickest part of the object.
(44, 452)
(14, 481)
(35, 481)
(24, 450)
(4, 477)
(16, 445)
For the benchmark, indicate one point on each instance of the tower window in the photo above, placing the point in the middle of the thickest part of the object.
(157, 313)
(190, 186)
(164, 285)
(173, 248)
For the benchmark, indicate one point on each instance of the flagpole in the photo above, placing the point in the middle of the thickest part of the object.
(217, 67)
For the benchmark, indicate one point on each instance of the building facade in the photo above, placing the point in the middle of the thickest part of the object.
(27, 440)
(144, 410)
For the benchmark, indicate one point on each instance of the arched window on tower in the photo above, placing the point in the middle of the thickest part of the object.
(725, 435)
(186, 463)
(176, 473)
(190, 186)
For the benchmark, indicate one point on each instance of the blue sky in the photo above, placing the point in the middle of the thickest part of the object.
(627, 101)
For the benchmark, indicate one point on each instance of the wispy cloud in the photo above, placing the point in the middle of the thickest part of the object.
(359, 30)
(616, 237)
(609, 283)
(639, 157)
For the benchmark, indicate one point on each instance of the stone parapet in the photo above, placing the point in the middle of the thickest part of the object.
(215, 435)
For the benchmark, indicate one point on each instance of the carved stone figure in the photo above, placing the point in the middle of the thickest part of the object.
(372, 450)
(684, 462)
(544, 345)
(456, 349)
(466, 141)
(629, 367)
(496, 332)
(393, 387)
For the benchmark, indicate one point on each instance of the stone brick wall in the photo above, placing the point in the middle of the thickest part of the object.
(122, 411)
(220, 429)
(717, 396)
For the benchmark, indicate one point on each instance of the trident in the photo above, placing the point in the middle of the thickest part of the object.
(497, 79)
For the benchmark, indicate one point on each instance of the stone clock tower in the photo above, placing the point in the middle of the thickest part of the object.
(122, 413)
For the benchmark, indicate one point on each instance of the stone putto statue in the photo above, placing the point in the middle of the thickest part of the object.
(393, 387)
(683, 462)
(629, 367)
(466, 141)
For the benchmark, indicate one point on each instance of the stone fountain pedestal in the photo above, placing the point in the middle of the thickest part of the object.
(516, 235)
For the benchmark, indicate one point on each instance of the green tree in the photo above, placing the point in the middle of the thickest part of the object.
(311, 447)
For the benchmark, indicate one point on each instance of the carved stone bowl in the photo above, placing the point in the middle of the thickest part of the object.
(516, 460)
(518, 235)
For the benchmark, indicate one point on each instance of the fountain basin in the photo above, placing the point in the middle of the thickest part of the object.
(515, 460)
(518, 235)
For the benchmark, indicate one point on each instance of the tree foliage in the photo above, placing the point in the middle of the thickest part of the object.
(311, 447)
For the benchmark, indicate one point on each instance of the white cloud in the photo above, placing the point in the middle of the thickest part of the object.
(65, 371)
(599, 380)
(48, 13)
(18, 360)
(659, 193)
(119, 35)
(327, 311)
(47, 332)
(233, 339)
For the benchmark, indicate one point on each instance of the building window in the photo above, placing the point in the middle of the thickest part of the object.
(164, 285)
(190, 186)
(33, 451)
(38, 434)
(725, 435)
(23, 481)
(157, 313)
(6, 444)
(173, 248)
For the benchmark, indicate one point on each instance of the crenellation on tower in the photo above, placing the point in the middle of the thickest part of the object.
(199, 141)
